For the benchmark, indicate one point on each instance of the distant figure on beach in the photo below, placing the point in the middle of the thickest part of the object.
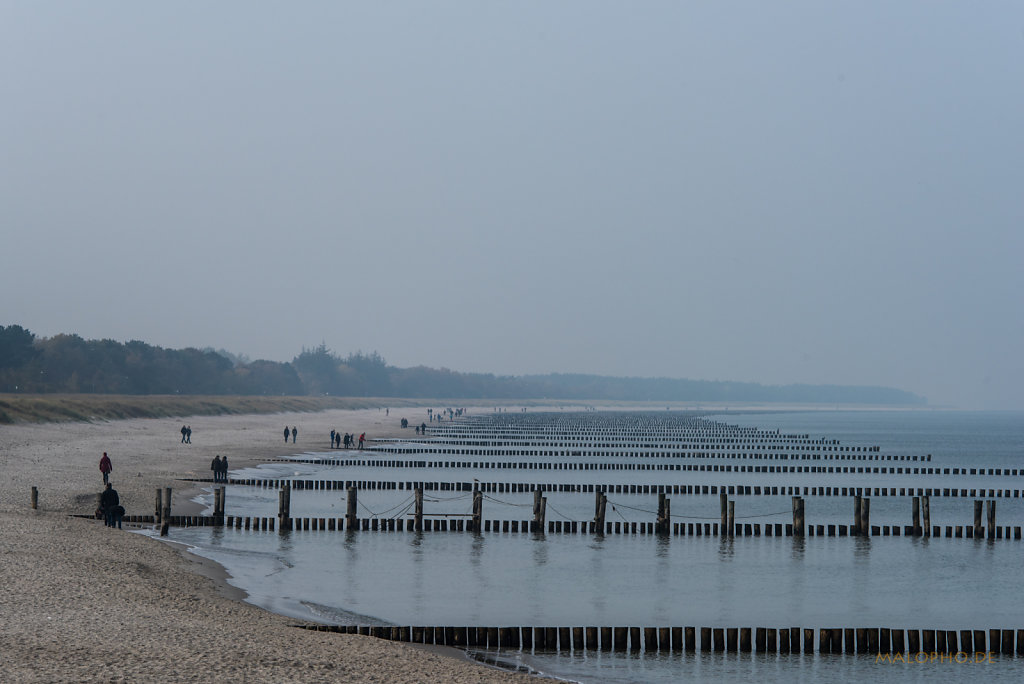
(417, 429)
(423, 429)
(224, 469)
(295, 433)
(188, 434)
(332, 439)
(337, 438)
(110, 504)
(183, 431)
(215, 467)
(286, 433)
(105, 468)
(362, 437)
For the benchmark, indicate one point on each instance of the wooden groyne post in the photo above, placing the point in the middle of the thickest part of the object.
(35, 498)
(663, 525)
(732, 518)
(977, 518)
(418, 510)
(600, 504)
(857, 530)
(723, 500)
(284, 509)
(165, 517)
(926, 515)
(915, 515)
(540, 510)
(478, 511)
(990, 510)
(865, 516)
(798, 516)
(351, 519)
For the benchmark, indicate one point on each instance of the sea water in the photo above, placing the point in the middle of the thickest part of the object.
(502, 579)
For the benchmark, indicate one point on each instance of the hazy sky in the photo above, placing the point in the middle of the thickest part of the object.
(775, 192)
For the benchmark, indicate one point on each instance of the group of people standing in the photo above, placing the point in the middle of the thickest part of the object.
(219, 466)
(349, 441)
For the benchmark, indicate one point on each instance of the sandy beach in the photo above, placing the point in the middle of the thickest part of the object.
(84, 603)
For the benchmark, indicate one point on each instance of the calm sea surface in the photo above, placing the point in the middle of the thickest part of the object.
(451, 578)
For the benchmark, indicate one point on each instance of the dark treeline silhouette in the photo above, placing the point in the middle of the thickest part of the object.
(69, 364)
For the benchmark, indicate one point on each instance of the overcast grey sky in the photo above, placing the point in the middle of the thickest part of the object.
(774, 192)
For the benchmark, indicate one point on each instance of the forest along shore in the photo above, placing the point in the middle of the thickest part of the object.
(88, 603)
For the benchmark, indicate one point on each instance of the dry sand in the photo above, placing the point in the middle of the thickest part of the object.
(82, 603)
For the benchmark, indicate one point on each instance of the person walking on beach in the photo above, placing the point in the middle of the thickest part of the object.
(332, 439)
(286, 433)
(215, 467)
(110, 504)
(105, 468)
(183, 431)
(188, 434)
(295, 433)
(362, 437)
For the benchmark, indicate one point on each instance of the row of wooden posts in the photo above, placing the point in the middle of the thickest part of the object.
(644, 489)
(852, 640)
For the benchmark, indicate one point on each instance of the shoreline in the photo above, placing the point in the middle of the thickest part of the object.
(86, 603)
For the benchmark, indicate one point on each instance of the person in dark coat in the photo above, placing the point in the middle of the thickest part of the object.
(215, 467)
(110, 504)
(224, 469)
(105, 468)
(286, 433)
(295, 433)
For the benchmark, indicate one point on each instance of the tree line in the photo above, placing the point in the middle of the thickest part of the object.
(67, 363)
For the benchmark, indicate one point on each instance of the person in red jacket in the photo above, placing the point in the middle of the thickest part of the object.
(105, 468)
(362, 438)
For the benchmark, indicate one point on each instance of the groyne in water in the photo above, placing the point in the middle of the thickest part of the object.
(962, 643)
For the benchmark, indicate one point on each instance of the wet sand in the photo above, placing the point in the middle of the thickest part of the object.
(83, 603)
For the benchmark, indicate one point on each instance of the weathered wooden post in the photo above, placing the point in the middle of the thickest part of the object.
(165, 517)
(990, 510)
(977, 518)
(600, 504)
(856, 531)
(664, 523)
(723, 500)
(35, 498)
(926, 515)
(798, 516)
(732, 518)
(418, 515)
(159, 505)
(478, 508)
(351, 517)
(284, 509)
(865, 516)
(540, 509)
(915, 510)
